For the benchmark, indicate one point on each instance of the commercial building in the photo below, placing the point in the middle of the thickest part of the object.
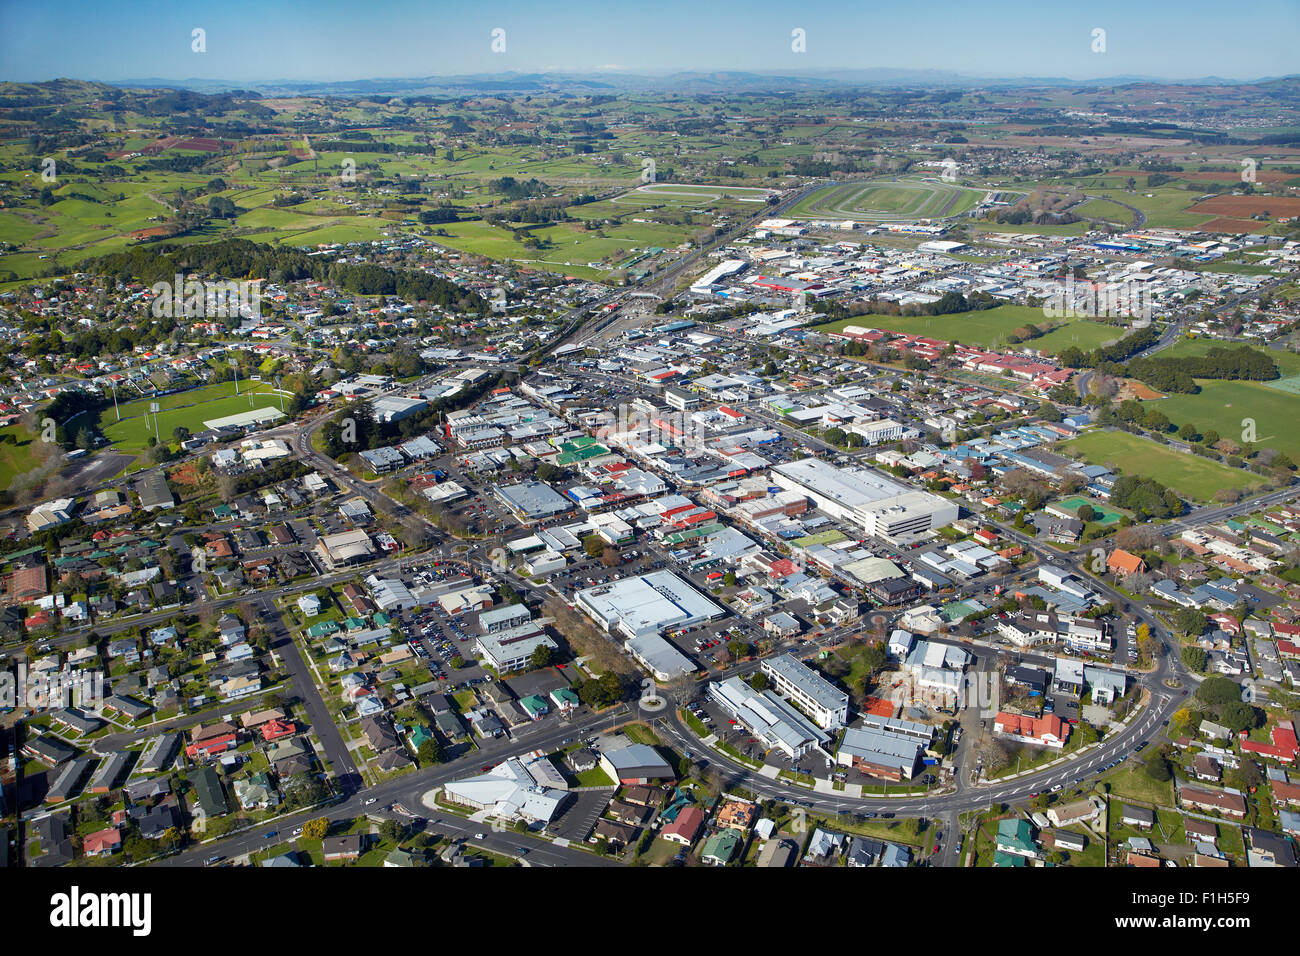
(882, 751)
(512, 790)
(532, 500)
(769, 718)
(880, 506)
(511, 648)
(344, 548)
(648, 604)
(817, 697)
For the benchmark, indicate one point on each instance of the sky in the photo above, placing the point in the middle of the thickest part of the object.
(329, 40)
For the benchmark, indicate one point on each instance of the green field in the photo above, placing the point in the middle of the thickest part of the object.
(1226, 407)
(1189, 475)
(1083, 333)
(189, 409)
(887, 201)
(681, 194)
(1105, 210)
(985, 329)
(19, 458)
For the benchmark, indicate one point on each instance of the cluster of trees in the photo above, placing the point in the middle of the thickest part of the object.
(439, 214)
(1129, 345)
(603, 691)
(516, 189)
(1146, 498)
(1222, 698)
(1177, 374)
(239, 257)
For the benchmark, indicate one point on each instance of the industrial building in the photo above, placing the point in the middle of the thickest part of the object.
(882, 752)
(344, 548)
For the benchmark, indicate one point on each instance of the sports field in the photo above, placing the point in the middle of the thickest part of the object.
(887, 201)
(1191, 476)
(19, 458)
(1231, 407)
(1109, 516)
(189, 409)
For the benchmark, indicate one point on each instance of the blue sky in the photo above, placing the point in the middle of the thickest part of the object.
(349, 39)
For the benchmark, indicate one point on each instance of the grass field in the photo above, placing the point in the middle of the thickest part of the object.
(189, 409)
(986, 329)
(1228, 407)
(1083, 334)
(16, 459)
(1190, 476)
(886, 201)
(1105, 210)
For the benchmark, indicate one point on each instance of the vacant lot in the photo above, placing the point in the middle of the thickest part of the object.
(1190, 476)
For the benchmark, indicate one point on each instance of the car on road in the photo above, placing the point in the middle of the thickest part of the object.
(269, 835)
(297, 831)
(480, 836)
(370, 801)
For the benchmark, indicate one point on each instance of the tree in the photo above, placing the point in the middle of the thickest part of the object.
(1188, 621)
(1158, 768)
(457, 662)
(1195, 658)
(610, 558)
(541, 656)
(315, 829)
(430, 751)
(729, 579)
(1237, 715)
(1217, 692)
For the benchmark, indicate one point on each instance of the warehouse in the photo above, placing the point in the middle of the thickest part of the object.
(880, 753)
(880, 506)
